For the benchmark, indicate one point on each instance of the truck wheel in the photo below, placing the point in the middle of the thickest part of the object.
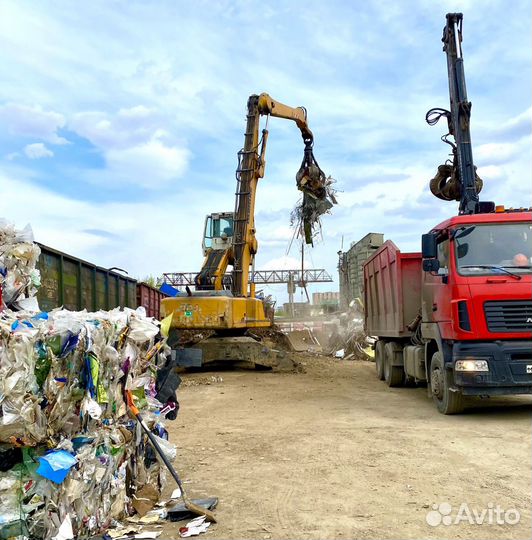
(447, 401)
(379, 359)
(393, 375)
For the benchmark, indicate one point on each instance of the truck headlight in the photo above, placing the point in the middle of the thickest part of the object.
(471, 365)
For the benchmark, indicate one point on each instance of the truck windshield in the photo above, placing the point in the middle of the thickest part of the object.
(494, 249)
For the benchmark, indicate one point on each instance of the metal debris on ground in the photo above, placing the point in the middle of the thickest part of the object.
(348, 340)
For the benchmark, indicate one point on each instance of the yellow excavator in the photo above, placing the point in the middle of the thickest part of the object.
(229, 307)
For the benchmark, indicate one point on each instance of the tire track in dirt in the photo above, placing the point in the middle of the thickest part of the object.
(334, 453)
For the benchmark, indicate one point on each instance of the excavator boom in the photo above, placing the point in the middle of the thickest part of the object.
(250, 170)
(267, 105)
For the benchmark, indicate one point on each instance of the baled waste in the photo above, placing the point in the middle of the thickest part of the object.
(19, 279)
(72, 460)
(69, 450)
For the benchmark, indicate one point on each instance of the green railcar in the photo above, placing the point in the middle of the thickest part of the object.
(77, 284)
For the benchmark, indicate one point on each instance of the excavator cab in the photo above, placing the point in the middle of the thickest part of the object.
(218, 232)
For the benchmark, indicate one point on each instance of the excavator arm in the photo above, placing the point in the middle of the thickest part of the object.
(310, 179)
(212, 273)
(267, 105)
(251, 169)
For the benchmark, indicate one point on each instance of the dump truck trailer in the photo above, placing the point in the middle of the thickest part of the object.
(466, 329)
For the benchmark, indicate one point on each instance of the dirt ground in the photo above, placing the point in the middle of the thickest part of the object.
(334, 453)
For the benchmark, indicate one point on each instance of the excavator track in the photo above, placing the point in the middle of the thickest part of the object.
(241, 351)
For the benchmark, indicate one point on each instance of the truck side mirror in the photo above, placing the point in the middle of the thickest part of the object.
(429, 249)
(429, 252)
(431, 265)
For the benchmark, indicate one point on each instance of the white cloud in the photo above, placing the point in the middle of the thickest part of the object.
(137, 236)
(33, 122)
(135, 144)
(491, 172)
(507, 129)
(123, 129)
(281, 263)
(149, 164)
(491, 153)
(37, 151)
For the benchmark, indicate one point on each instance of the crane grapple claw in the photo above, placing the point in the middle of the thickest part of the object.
(446, 186)
(318, 194)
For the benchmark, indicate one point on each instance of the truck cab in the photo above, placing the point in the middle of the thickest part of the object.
(477, 303)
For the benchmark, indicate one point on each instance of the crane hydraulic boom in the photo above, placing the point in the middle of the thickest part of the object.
(231, 236)
(456, 181)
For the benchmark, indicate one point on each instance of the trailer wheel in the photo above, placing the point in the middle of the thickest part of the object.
(393, 375)
(446, 400)
(379, 359)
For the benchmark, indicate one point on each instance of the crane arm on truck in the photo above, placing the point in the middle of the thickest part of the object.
(456, 316)
(457, 180)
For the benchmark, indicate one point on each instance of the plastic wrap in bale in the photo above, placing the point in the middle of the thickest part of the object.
(62, 377)
(19, 278)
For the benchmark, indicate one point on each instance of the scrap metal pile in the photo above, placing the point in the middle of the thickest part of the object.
(348, 339)
(72, 461)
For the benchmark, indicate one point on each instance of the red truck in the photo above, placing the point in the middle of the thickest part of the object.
(458, 315)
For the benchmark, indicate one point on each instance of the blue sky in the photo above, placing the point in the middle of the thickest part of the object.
(120, 121)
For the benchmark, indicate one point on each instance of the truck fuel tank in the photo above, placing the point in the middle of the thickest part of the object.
(414, 359)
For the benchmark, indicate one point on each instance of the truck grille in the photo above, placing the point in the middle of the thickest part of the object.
(509, 315)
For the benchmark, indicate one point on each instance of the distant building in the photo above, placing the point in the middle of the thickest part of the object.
(325, 297)
(297, 309)
(351, 276)
(327, 301)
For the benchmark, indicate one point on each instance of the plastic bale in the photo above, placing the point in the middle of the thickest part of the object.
(62, 381)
